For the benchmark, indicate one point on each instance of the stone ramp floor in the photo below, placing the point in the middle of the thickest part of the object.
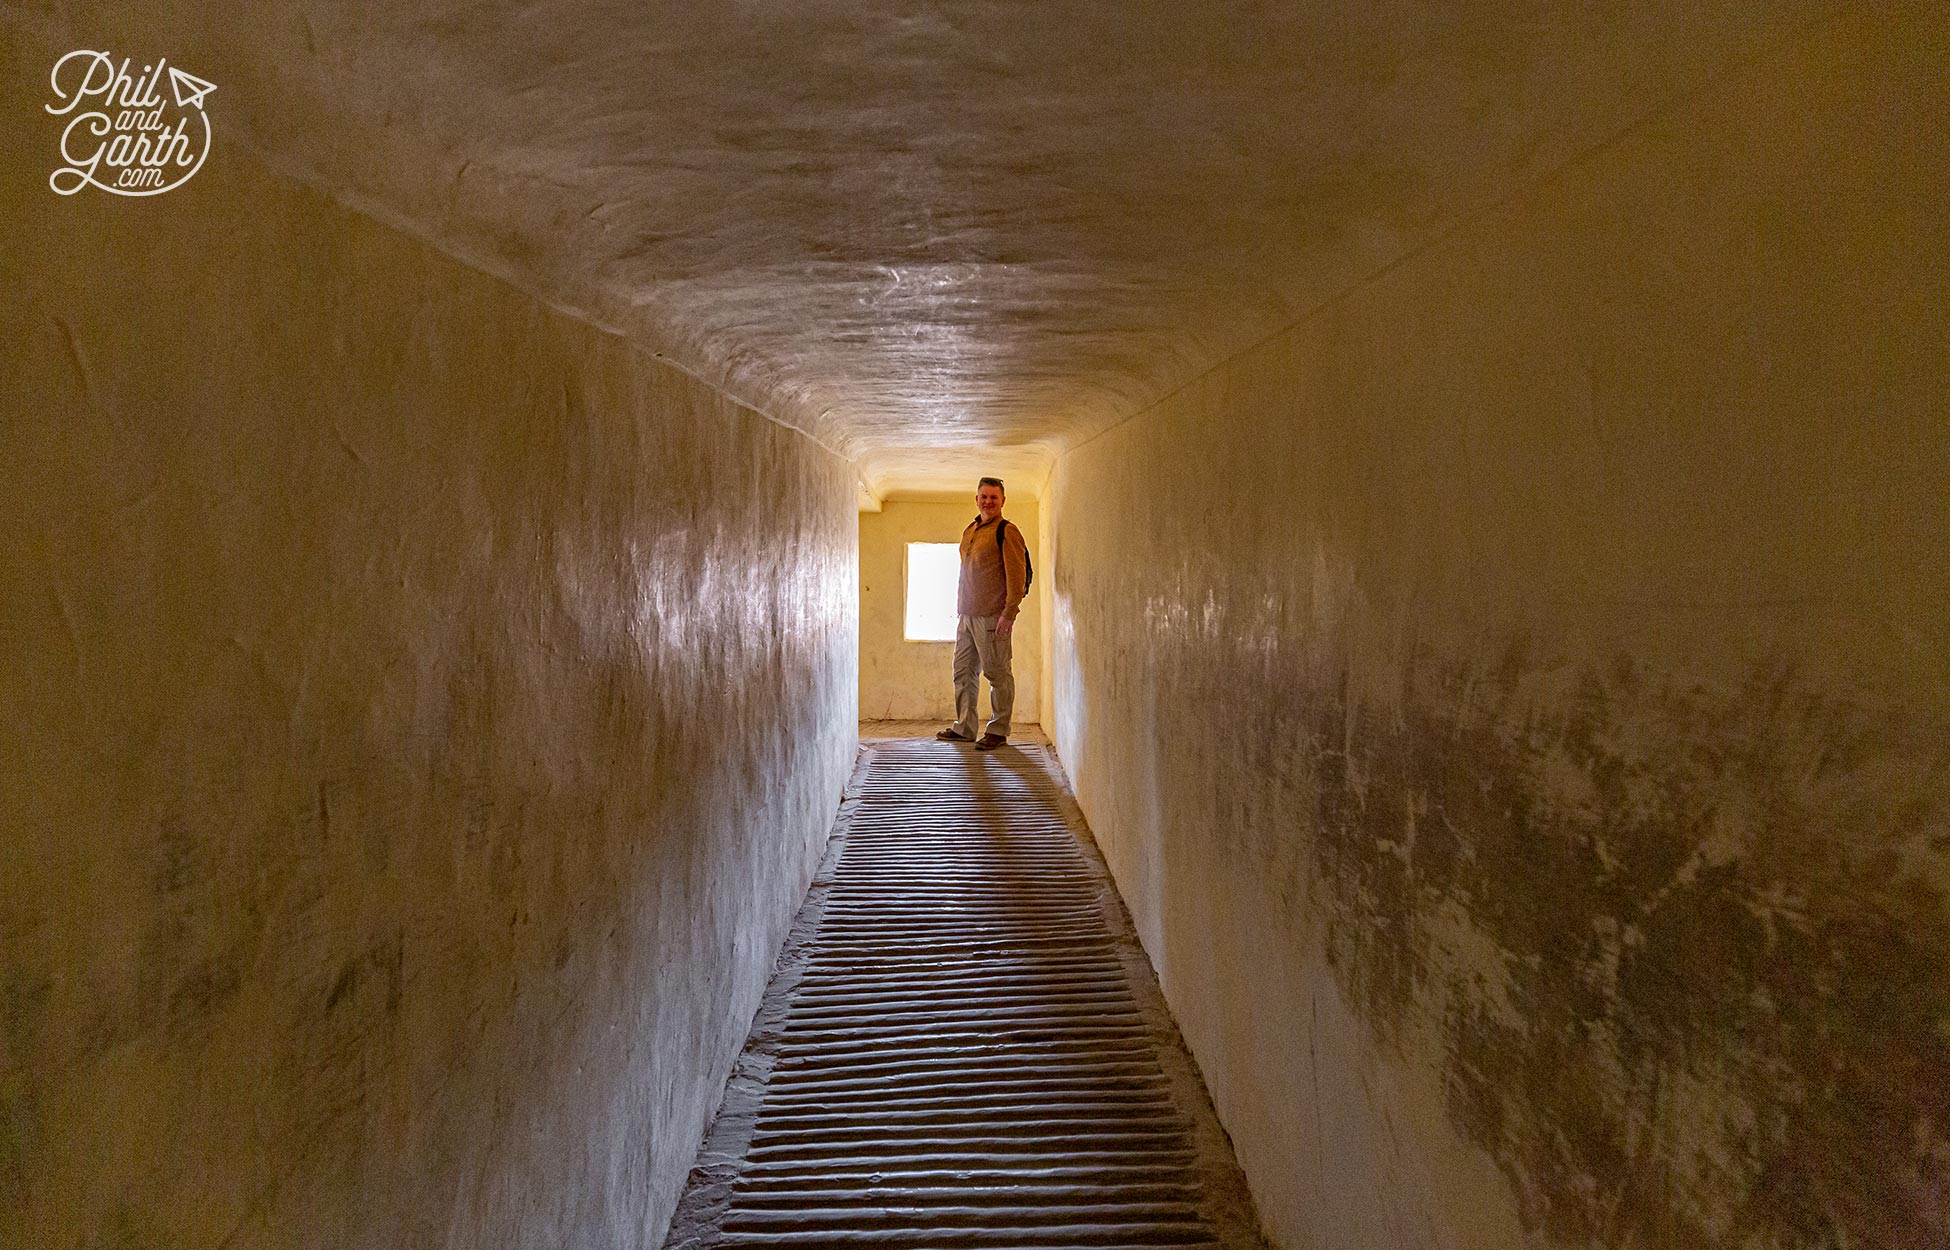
(963, 1044)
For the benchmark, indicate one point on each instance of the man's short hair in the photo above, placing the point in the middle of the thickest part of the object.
(989, 481)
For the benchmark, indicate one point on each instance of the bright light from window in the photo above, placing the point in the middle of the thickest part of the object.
(932, 571)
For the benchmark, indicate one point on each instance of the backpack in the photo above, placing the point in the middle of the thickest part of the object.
(1028, 565)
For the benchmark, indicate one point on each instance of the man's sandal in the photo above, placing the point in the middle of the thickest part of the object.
(988, 742)
(949, 735)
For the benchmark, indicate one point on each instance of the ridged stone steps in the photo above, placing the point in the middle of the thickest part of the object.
(963, 1045)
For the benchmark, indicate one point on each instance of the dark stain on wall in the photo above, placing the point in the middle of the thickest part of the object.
(190, 962)
(125, 1229)
(1718, 1012)
(25, 989)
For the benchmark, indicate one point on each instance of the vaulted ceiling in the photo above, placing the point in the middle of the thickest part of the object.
(942, 238)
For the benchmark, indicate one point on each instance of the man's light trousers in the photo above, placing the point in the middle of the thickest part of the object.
(978, 653)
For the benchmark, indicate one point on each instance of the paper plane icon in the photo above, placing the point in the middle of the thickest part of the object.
(189, 89)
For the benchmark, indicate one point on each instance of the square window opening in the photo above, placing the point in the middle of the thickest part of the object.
(933, 570)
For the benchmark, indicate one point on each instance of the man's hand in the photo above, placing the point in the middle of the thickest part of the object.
(1003, 625)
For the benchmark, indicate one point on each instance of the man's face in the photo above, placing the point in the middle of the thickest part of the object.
(988, 501)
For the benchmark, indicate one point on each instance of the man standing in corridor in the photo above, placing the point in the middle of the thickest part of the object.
(994, 578)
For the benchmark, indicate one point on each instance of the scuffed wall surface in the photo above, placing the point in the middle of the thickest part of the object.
(1515, 702)
(902, 680)
(421, 717)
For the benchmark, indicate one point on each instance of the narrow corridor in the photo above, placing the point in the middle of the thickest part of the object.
(1484, 471)
(963, 1043)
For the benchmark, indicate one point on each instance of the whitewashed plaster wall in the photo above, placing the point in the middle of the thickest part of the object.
(1515, 701)
(421, 717)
